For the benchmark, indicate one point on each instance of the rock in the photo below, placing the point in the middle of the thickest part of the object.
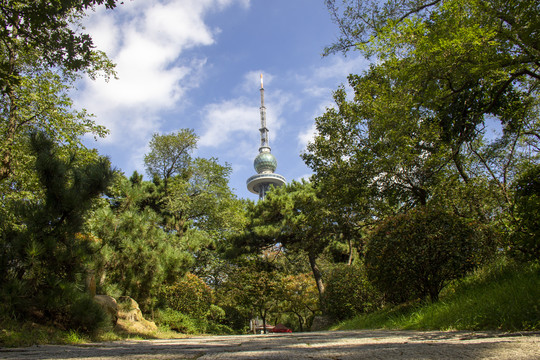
(321, 323)
(131, 318)
(129, 309)
(109, 304)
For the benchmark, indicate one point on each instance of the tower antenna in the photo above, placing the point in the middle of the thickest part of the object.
(265, 163)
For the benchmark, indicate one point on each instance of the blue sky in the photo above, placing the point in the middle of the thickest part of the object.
(196, 64)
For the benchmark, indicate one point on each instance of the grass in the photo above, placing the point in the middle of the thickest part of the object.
(502, 296)
(16, 334)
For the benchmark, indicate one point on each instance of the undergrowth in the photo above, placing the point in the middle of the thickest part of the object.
(500, 296)
(22, 334)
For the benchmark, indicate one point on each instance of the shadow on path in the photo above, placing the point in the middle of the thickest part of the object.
(362, 344)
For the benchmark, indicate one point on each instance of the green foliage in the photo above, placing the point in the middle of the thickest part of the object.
(250, 291)
(47, 29)
(192, 197)
(415, 255)
(215, 313)
(137, 256)
(177, 321)
(190, 296)
(293, 216)
(26, 333)
(416, 131)
(299, 297)
(349, 292)
(524, 241)
(201, 201)
(152, 232)
(499, 296)
(183, 323)
(87, 316)
(43, 51)
(43, 260)
(170, 155)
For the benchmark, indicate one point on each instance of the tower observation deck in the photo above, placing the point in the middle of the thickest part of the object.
(265, 163)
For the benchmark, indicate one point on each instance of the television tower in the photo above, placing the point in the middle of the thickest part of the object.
(265, 163)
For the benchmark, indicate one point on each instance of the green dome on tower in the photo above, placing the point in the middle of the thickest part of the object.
(265, 163)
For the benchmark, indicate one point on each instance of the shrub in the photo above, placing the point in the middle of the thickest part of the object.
(190, 295)
(524, 241)
(414, 255)
(349, 293)
(215, 313)
(86, 316)
(177, 321)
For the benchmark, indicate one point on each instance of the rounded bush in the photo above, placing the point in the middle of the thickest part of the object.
(190, 295)
(414, 255)
(87, 316)
(348, 292)
(524, 240)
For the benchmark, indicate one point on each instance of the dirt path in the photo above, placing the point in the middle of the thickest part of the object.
(334, 345)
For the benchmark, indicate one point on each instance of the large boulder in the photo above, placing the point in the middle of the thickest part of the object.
(321, 322)
(130, 317)
(109, 304)
(129, 309)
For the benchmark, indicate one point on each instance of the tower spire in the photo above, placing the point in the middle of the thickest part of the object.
(265, 163)
(265, 142)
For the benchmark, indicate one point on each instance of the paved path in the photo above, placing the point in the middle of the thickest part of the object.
(362, 344)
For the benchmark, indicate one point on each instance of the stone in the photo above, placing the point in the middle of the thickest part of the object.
(129, 309)
(109, 304)
(131, 319)
(321, 322)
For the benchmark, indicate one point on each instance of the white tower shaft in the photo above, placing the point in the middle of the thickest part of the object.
(265, 163)
(265, 142)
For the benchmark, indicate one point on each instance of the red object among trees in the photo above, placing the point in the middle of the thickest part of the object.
(280, 328)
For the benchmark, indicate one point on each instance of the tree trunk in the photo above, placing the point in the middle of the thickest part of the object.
(263, 316)
(9, 139)
(456, 157)
(349, 243)
(318, 277)
(300, 321)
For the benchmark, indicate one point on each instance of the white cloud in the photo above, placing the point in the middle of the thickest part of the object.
(222, 120)
(234, 124)
(307, 136)
(146, 39)
(340, 67)
(306, 177)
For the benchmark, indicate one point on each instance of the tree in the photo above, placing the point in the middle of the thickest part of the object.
(415, 255)
(137, 257)
(194, 199)
(254, 287)
(45, 28)
(465, 60)
(298, 294)
(41, 50)
(524, 240)
(503, 33)
(170, 155)
(201, 199)
(376, 149)
(350, 293)
(44, 256)
(189, 295)
(416, 131)
(294, 217)
(40, 102)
